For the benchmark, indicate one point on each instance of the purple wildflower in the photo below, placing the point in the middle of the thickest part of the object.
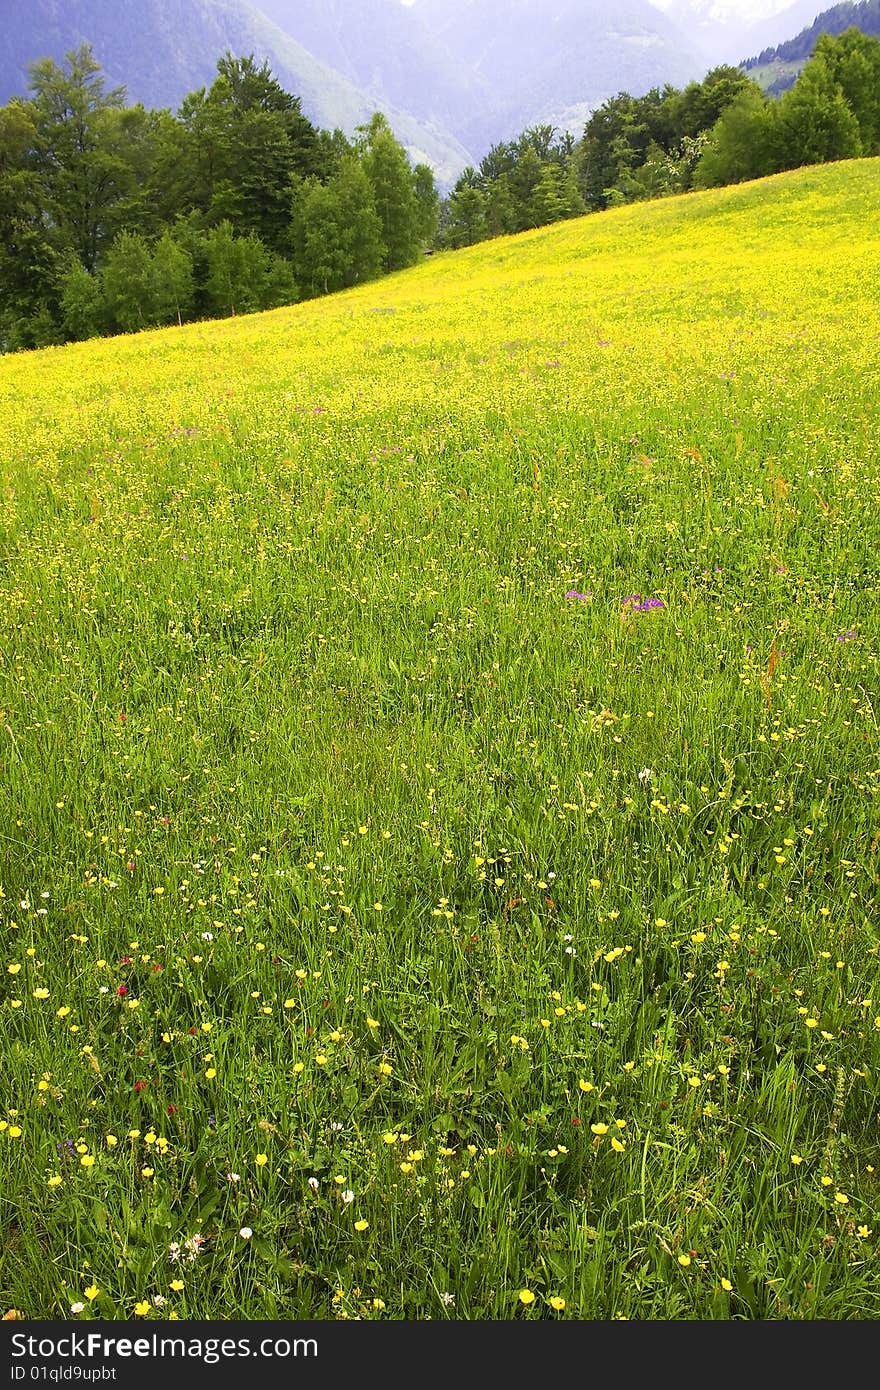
(573, 593)
(640, 605)
(848, 636)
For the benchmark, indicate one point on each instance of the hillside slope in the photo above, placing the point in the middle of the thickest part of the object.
(439, 787)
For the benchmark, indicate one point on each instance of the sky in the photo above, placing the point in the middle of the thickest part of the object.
(729, 9)
(720, 9)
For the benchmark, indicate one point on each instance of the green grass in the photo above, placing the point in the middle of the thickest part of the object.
(339, 832)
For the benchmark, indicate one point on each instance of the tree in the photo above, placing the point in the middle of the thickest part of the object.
(390, 175)
(245, 138)
(80, 175)
(548, 202)
(335, 231)
(699, 105)
(656, 177)
(427, 203)
(128, 284)
(815, 123)
(852, 61)
(465, 217)
(83, 310)
(524, 181)
(499, 212)
(28, 257)
(242, 274)
(173, 285)
(740, 143)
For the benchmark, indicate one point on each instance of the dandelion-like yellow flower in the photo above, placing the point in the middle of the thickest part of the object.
(526, 1296)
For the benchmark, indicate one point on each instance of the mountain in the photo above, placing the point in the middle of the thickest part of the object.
(776, 68)
(453, 76)
(385, 49)
(781, 26)
(161, 49)
(556, 63)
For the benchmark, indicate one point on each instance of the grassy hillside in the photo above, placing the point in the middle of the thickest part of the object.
(439, 786)
(776, 77)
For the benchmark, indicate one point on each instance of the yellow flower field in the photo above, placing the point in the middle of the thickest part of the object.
(439, 784)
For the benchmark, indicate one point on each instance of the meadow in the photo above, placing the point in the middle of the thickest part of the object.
(439, 785)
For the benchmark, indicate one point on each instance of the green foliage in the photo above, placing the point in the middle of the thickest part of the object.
(242, 274)
(648, 147)
(814, 122)
(247, 139)
(400, 213)
(465, 217)
(852, 62)
(427, 203)
(127, 282)
(335, 231)
(82, 172)
(83, 306)
(740, 142)
(521, 184)
(174, 288)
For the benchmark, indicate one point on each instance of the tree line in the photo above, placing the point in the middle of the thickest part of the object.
(115, 218)
(718, 131)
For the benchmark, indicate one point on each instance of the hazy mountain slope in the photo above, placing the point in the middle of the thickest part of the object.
(724, 30)
(781, 26)
(162, 49)
(555, 62)
(776, 68)
(385, 49)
